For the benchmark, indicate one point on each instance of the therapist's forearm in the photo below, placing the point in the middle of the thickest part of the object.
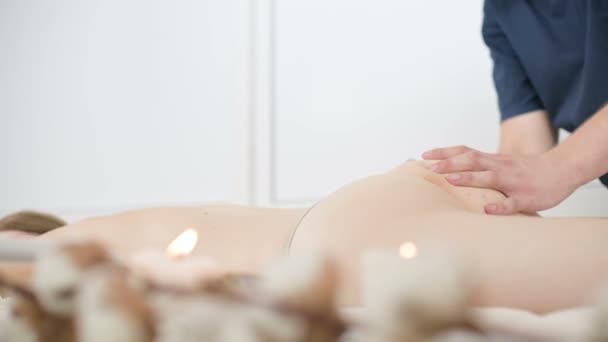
(527, 134)
(583, 156)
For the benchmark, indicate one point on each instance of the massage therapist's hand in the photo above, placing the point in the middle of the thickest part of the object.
(531, 183)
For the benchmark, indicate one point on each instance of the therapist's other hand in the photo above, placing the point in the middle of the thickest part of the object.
(531, 183)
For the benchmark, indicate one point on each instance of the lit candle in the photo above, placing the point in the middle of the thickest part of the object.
(177, 267)
(183, 244)
(408, 250)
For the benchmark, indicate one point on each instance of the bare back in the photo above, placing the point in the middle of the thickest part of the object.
(526, 262)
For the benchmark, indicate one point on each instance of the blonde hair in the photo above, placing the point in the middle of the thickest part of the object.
(31, 222)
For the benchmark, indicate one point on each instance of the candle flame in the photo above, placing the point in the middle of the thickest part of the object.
(408, 250)
(183, 244)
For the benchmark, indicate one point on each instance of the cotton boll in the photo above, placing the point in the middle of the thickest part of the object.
(272, 326)
(195, 317)
(259, 324)
(215, 317)
(200, 320)
(17, 331)
(5, 304)
(186, 317)
(192, 317)
(14, 329)
(58, 272)
(26, 320)
(599, 323)
(231, 285)
(108, 325)
(305, 287)
(108, 309)
(19, 328)
(464, 336)
(305, 281)
(415, 298)
(13, 326)
(55, 280)
(263, 325)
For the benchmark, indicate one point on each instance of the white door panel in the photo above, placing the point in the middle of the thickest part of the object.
(122, 103)
(361, 86)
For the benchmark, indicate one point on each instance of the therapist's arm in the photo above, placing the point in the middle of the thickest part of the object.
(527, 134)
(584, 155)
(531, 182)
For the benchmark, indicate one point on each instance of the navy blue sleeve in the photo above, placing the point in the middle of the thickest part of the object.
(516, 95)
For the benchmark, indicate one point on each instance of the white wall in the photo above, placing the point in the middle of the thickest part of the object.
(363, 85)
(107, 105)
(112, 104)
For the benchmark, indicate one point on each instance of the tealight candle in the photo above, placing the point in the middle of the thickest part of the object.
(183, 244)
(408, 250)
(176, 267)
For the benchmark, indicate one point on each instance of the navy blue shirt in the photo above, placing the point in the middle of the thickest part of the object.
(551, 55)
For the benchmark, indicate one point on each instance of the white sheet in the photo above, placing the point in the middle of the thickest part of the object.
(500, 323)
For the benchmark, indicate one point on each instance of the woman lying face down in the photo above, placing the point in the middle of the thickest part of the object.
(532, 263)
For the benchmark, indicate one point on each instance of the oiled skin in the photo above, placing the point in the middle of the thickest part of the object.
(532, 263)
(242, 239)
